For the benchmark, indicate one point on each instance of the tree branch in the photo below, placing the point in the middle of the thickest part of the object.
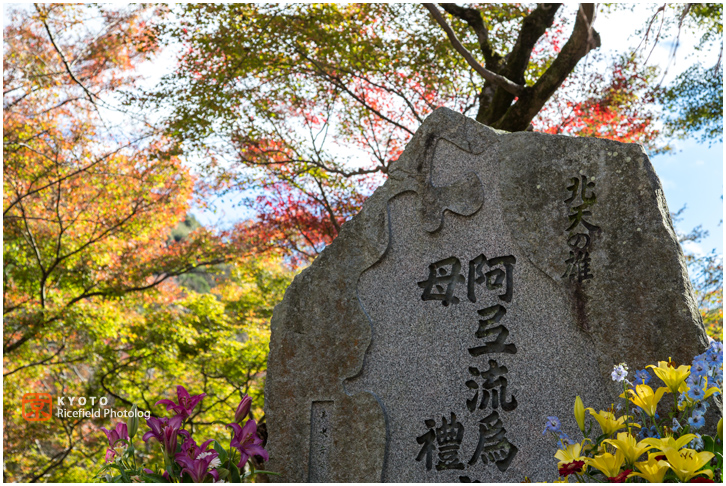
(534, 26)
(500, 81)
(473, 19)
(583, 39)
(43, 17)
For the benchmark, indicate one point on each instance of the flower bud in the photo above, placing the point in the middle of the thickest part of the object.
(243, 409)
(719, 428)
(132, 423)
(580, 413)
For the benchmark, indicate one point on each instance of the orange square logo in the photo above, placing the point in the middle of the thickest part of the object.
(37, 407)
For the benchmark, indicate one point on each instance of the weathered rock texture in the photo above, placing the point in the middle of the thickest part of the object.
(579, 269)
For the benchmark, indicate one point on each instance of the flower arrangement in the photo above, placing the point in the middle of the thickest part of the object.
(184, 460)
(647, 443)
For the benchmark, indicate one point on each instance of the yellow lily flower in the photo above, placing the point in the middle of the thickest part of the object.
(651, 470)
(607, 463)
(667, 443)
(710, 391)
(672, 377)
(569, 454)
(629, 446)
(644, 398)
(580, 413)
(687, 462)
(608, 423)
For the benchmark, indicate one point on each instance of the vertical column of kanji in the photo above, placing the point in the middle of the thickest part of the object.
(490, 385)
(445, 440)
(580, 230)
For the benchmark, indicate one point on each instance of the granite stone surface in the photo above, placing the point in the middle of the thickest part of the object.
(489, 281)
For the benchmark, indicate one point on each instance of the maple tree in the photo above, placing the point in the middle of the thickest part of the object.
(87, 210)
(305, 107)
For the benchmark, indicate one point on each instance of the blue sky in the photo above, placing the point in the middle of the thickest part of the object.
(693, 176)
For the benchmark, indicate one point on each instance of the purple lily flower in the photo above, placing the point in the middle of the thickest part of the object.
(190, 449)
(110, 454)
(247, 442)
(243, 409)
(165, 430)
(119, 433)
(186, 402)
(198, 467)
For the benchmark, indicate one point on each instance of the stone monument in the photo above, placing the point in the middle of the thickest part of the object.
(490, 280)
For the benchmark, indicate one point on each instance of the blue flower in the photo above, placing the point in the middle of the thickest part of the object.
(693, 381)
(642, 377)
(696, 421)
(646, 432)
(696, 393)
(696, 443)
(565, 440)
(713, 359)
(676, 425)
(619, 373)
(699, 368)
(716, 348)
(700, 408)
(553, 425)
(718, 377)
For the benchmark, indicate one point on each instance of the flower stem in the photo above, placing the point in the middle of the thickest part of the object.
(229, 463)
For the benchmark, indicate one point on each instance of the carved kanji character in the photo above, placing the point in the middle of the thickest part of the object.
(495, 279)
(447, 439)
(440, 276)
(494, 386)
(487, 328)
(575, 185)
(492, 445)
(578, 265)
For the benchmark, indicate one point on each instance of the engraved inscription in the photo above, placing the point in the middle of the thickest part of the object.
(580, 228)
(495, 275)
(320, 441)
(488, 385)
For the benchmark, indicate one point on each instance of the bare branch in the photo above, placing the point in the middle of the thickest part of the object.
(43, 17)
(583, 39)
(500, 81)
(473, 18)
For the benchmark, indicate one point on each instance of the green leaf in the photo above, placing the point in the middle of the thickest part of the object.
(235, 474)
(220, 450)
(708, 443)
(153, 478)
(260, 471)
